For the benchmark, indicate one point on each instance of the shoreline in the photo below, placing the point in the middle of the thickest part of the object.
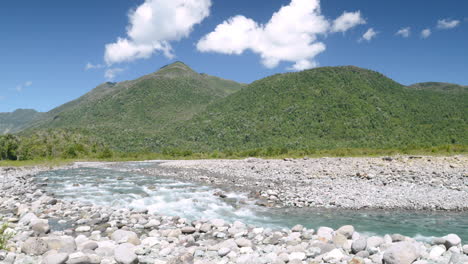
(108, 235)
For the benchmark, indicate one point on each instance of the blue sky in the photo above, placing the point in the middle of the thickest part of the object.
(46, 45)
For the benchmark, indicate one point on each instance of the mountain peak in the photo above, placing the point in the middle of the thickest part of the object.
(177, 68)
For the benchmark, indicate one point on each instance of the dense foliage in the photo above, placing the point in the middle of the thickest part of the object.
(440, 87)
(51, 144)
(327, 108)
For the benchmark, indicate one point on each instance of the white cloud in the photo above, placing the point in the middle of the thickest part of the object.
(111, 73)
(90, 66)
(153, 25)
(347, 21)
(290, 35)
(20, 87)
(426, 33)
(404, 32)
(369, 35)
(447, 23)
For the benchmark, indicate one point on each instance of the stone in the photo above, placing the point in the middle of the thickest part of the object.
(205, 228)
(55, 258)
(334, 256)
(65, 244)
(123, 236)
(458, 258)
(125, 254)
(90, 245)
(465, 249)
(347, 231)
(297, 256)
(27, 218)
(452, 240)
(397, 238)
(34, 246)
(359, 245)
(297, 228)
(356, 260)
(82, 229)
(218, 222)
(243, 242)
(374, 242)
(340, 240)
(78, 258)
(41, 228)
(401, 253)
(188, 230)
(325, 233)
(223, 251)
(436, 252)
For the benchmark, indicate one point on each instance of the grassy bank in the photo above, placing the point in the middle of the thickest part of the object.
(269, 153)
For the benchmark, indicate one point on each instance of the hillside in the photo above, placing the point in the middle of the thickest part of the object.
(330, 107)
(15, 121)
(125, 114)
(441, 87)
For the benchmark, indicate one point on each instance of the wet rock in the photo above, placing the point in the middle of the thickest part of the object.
(401, 253)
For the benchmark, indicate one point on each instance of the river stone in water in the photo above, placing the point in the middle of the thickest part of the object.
(347, 231)
(34, 246)
(125, 254)
(452, 240)
(401, 253)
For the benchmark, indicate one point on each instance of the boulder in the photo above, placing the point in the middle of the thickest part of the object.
(374, 242)
(34, 246)
(125, 254)
(78, 258)
(401, 253)
(123, 236)
(436, 252)
(334, 256)
(325, 233)
(27, 218)
(41, 228)
(243, 242)
(188, 230)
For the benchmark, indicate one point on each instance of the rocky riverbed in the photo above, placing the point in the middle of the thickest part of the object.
(49, 230)
(405, 182)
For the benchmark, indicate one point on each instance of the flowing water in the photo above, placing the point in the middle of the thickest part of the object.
(121, 188)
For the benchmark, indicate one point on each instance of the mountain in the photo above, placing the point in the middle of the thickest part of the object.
(441, 87)
(12, 122)
(126, 113)
(329, 107)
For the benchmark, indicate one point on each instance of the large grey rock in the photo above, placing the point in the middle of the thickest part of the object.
(55, 258)
(452, 240)
(65, 244)
(374, 242)
(347, 231)
(34, 246)
(359, 245)
(125, 254)
(123, 236)
(401, 253)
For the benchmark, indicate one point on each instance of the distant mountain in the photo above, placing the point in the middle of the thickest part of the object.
(441, 87)
(126, 113)
(330, 107)
(12, 122)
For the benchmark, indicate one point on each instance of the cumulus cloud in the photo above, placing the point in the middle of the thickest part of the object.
(20, 87)
(404, 32)
(347, 21)
(111, 73)
(447, 23)
(369, 35)
(153, 25)
(290, 35)
(426, 33)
